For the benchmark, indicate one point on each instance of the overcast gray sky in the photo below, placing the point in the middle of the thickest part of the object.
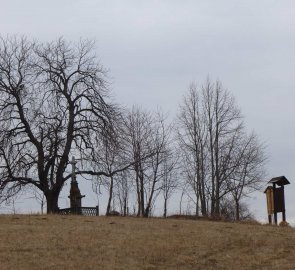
(154, 49)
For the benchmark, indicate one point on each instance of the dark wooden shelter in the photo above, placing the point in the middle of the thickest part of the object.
(275, 197)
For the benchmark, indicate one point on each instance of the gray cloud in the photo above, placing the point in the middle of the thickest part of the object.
(154, 49)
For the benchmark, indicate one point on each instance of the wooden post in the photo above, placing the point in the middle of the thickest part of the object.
(274, 203)
(269, 219)
(97, 210)
(284, 210)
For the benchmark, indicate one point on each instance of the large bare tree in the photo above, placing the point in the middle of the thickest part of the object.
(53, 103)
(216, 150)
(138, 136)
(192, 136)
(147, 137)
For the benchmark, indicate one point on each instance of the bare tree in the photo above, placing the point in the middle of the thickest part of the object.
(53, 103)
(192, 135)
(249, 171)
(123, 189)
(223, 120)
(110, 159)
(170, 180)
(138, 135)
(147, 137)
(157, 164)
(210, 134)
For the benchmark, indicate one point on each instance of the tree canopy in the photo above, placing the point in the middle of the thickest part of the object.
(53, 103)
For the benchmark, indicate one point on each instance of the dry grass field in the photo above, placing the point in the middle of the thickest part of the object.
(73, 242)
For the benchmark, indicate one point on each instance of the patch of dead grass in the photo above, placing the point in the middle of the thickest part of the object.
(75, 242)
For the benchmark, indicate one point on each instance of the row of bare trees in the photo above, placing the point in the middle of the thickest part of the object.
(55, 102)
(221, 161)
(144, 147)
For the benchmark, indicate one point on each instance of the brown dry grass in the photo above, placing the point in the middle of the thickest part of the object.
(73, 242)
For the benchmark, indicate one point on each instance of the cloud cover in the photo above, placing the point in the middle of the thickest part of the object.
(155, 49)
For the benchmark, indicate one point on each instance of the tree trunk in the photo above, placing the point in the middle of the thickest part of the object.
(165, 208)
(146, 212)
(180, 202)
(217, 204)
(197, 199)
(237, 210)
(42, 206)
(110, 197)
(138, 191)
(125, 207)
(202, 185)
(142, 213)
(52, 201)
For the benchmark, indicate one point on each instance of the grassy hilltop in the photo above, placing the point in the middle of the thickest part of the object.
(73, 242)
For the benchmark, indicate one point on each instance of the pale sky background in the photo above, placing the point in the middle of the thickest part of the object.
(155, 49)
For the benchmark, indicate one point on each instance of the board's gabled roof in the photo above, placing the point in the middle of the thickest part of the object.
(280, 181)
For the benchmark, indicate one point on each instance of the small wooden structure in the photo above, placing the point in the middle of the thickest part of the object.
(275, 198)
(76, 198)
(75, 194)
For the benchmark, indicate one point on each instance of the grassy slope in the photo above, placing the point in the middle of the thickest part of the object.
(59, 242)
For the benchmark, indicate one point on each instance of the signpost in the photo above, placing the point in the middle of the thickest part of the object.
(275, 198)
